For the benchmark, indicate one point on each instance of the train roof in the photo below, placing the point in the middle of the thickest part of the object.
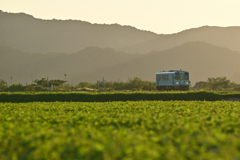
(165, 72)
(170, 71)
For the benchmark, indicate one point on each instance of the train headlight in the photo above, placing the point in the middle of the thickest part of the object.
(176, 82)
(186, 82)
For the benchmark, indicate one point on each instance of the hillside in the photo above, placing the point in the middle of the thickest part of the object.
(201, 59)
(36, 35)
(70, 36)
(21, 65)
(89, 52)
(227, 37)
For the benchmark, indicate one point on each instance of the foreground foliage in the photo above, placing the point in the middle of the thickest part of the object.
(120, 130)
(112, 96)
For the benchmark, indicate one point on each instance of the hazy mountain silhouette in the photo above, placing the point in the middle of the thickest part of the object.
(201, 59)
(35, 35)
(228, 37)
(21, 65)
(204, 52)
(26, 32)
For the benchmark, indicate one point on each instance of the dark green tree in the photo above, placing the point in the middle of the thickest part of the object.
(135, 84)
(202, 85)
(29, 88)
(237, 87)
(84, 84)
(219, 83)
(15, 88)
(43, 82)
(3, 85)
(57, 82)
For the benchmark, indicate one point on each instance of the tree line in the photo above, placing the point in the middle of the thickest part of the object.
(135, 84)
(217, 84)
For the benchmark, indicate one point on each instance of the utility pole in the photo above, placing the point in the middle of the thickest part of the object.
(11, 80)
(65, 81)
(47, 84)
(103, 84)
(98, 85)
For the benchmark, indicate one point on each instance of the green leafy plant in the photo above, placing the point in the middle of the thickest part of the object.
(120, 130)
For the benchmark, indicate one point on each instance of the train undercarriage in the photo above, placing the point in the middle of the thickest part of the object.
(169, 88)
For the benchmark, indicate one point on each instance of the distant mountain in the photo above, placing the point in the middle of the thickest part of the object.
(22, 65)
(228, 37)
(35, 35)
(99, 50)
(201, 59)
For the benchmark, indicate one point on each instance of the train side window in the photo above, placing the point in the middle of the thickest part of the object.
(177, 76)
(165, 77)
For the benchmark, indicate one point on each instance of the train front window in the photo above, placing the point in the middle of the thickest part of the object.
(186, 76)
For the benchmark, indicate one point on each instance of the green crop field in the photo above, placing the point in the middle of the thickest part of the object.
(120, 130)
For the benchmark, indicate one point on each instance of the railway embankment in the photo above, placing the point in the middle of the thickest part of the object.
(116, 96)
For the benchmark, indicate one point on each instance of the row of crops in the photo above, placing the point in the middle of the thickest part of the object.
(120, 130)
(112, 96)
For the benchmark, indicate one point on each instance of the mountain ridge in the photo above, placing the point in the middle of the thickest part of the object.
(227, 37)
(68, 36)
(36, 35)
(88, 52)
(201, 59)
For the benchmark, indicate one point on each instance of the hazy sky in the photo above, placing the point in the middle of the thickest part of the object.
(159, 16)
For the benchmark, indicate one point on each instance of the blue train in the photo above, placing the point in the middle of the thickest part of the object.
(172, 80)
